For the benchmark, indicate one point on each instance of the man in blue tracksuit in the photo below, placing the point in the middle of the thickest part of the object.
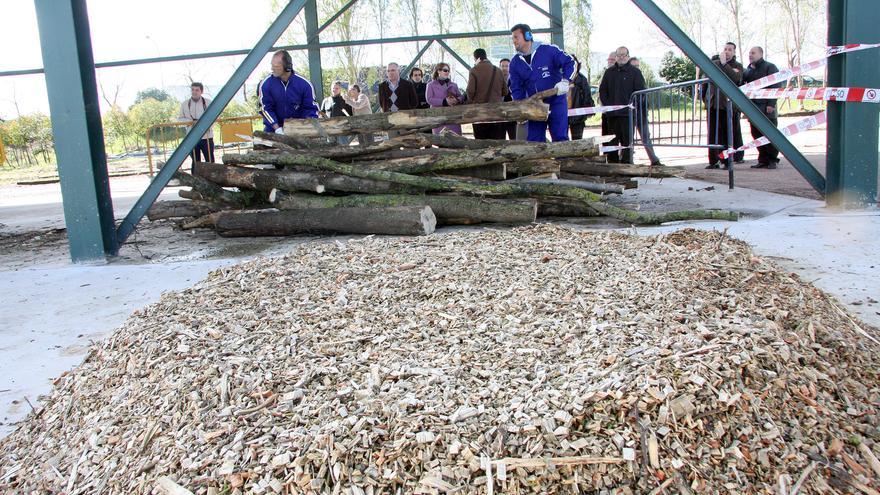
(537, 67)
(285, 95)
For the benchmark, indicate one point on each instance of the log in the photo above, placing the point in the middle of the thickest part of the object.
(395, 220)
(618, 170)
(417, 119)
(626, 182)
(180, 209)
(339, 152)
(431, 162)
(496, 171)
(601, 188)
(509, 188)
(564, 207)
(211, 191)
(315, 181)
(537, 166)
(449, 210)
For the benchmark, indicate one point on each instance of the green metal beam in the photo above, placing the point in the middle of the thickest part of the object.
(223, 98)
(454, 54)
(76, 127)
(330, 44)
(852, 160)
(406, 68)
(800, 163)
(316, 74)
(556, 16)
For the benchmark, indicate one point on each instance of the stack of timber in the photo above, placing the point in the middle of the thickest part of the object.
(302, 182)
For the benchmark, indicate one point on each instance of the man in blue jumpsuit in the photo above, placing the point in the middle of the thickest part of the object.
(538, 67)
(285, 95)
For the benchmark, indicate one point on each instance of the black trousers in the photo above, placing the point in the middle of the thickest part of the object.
(718, 133)
(509, 130)
(204, 149)
(738, 136)
(489, 130)
(767, 153)
(577, 130)
(619, 126)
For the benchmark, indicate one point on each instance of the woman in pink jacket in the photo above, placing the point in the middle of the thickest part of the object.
(442, 92)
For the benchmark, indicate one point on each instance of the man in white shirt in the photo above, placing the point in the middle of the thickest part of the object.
(192, 110)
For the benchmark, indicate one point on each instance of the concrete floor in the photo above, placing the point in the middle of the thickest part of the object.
(53, 310)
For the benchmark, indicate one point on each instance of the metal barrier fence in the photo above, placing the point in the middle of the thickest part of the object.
(692, 114)
(168, 135)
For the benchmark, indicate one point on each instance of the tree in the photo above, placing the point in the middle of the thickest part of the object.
(677, 69)
(578, 27)
(148, 113)
(153, 93)
(648, 73)
(736, 10)
(799, 14)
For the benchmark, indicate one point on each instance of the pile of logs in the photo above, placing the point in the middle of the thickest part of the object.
(303, 182)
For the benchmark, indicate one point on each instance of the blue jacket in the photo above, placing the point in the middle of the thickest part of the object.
(280, 101)
(549, 66)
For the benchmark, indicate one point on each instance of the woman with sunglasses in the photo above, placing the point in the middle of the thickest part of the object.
(442, 92)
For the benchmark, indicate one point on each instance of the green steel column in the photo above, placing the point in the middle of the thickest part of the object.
(852, 127)
(558, 35)
(316, 75)
(76, 126)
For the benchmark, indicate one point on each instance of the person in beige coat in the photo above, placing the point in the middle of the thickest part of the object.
(192, 110)
(360, 105)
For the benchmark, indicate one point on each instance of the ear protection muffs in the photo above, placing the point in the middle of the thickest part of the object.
(288, 62)
(528, 36)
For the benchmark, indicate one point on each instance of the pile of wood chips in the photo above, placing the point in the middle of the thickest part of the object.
(536, 360)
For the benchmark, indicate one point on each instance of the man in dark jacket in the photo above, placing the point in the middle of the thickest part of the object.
(579, 96)
(618, 84)
(768, 155)
(486, 84)
(509, 127)
(716, 103)
(396, 93)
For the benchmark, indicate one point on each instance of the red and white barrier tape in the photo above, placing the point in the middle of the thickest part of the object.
(834, 50)
(786, 74)
(594, 110)
(864, 95)
(789, 130)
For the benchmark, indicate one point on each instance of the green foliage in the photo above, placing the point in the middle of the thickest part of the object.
(648, 73)
(150, 112)
(154, 93)
(677, 69)
(28, 140)
(238, 109)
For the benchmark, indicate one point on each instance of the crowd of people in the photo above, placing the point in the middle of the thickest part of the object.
(535, 68)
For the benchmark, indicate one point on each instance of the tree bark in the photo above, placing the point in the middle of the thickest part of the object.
(417, 119)
(586, 167)
(596, 187)
(180, 209)
(537, 166)
(211, 191)
(493, 172)
(314, 181)
(449, 210)
(432, 162)
(396, 220)
(339, 152)
(564, 207)
(514, 189)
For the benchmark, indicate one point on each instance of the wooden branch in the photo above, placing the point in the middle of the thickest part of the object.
(586, 185)
(180, 209)
(587, 167)
(564, 207)
(397, 220)
(512, 189)
(417, 119)
(314, 181)
(449, 210)
(210, 191)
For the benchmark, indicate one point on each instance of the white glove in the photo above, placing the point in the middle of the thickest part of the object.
(562, 87)
(280, 130)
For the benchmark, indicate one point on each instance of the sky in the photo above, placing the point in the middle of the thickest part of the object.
(125, 29)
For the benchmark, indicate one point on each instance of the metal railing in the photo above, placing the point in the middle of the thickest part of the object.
(168, 135)
(684, 115)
